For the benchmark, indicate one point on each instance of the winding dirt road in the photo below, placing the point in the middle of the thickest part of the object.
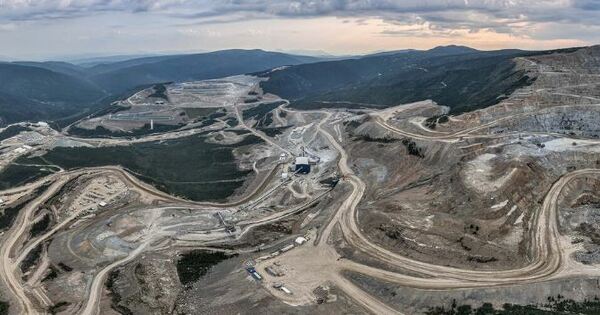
(382, 118)
(8, 267)
(10, 264)
(549, 260)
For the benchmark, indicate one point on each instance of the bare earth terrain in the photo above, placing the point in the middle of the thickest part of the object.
(404, 209)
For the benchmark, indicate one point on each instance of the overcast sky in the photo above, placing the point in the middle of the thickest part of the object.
(34, 29)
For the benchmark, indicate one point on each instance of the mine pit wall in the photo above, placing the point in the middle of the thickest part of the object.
(585, 60)
(527, 107)
(576, 121)
(464, 221)
(148, 285)
(579, 218)
(557, 80)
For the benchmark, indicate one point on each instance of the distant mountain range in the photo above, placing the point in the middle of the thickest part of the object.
(53, 90)
(97, 60)
(460, 77)
(120, 76)
(38, 92)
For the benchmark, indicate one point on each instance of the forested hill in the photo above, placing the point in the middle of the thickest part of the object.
(52, 90)
(456, 76)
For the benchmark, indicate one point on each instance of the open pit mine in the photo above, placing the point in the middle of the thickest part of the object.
(219, 197)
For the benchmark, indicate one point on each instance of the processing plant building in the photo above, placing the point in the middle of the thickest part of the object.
(302, 165)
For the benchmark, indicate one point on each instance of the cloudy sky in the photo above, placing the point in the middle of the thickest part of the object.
(34, 29)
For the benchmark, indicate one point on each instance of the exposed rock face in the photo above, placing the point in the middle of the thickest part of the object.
(581, 61)
(148, 286)
(469, 203)
(580, 218)
(581, 121)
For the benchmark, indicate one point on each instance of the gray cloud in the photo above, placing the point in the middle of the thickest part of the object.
(23, 10)
(587, 4)
(504, 16)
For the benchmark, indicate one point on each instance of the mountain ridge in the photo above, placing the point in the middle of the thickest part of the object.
(50, 90)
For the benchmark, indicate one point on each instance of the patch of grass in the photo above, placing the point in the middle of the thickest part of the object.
(51, 275)
(482, 259)
(260, 111)
(4, 307)
(369, 138)
(330, 181)
(160, 92)
(433, 121)
(280, 227)
(195, 264)
(9, 214)
(588, 230)
(232, 121)
(265, 121)
(32, 258)
(115, 297)
(58, 307)
(64, 267)
(211, 119)
(12, 131)
(189, 167)
(556, 305)
(194, 112)
(217, 114)
(274, 131)
(40, 227)
(101, 132)
(8, 217)
(17, 175)
(412, 148)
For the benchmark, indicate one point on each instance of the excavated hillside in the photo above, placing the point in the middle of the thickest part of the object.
(469, 202)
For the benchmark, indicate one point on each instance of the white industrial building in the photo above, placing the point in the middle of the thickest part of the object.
(300, 240)
(302, 165)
